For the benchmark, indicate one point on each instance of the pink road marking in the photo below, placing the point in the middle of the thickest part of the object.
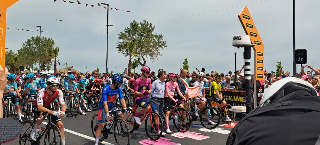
(160, 141)
(192, 135)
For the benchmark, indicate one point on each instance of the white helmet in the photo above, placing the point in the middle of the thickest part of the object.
(284, 87)
(52, 80)
(23, 76)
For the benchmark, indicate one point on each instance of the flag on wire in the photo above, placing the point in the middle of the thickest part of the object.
(194, 91)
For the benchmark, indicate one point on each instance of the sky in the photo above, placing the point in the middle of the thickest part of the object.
(200, 30)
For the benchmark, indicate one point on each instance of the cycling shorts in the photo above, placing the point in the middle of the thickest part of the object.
(102, 114)
(15, 100)
(216, 98)
(198, 100)
(167, 103)
(143, 102)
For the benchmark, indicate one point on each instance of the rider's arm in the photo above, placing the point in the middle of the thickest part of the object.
(150, 88)
(123, 102)
(61, 101)
(136, 87)
(8, 91)
(105, 104)
(179, 92)
(105, 100)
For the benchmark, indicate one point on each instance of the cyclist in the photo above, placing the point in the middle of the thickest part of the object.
(71, 89)
(96, 88)
(42, 104)
(169, 99)
(106, 103)
(142, 88)
(81, 87)
(215, 93)
(43, 80)
(11, 90)
(31, 87)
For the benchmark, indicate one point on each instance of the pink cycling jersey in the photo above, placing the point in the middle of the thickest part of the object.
(142, 86)
(171, 88)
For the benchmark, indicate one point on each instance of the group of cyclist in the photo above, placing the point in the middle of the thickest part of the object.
(164, 91)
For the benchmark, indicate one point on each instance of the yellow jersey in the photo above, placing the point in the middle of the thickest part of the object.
(215, 86)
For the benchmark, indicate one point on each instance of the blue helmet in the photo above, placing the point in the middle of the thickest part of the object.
(51, 76)
(117, 79)
(30, 76)
(71, 76)
(82, 81)
(92, 78)
(11, 76)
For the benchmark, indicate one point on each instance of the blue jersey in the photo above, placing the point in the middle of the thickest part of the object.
(43, 83)
(109, 95)
(80, 87)
(70, 86)
(10, 86)
(32, 87)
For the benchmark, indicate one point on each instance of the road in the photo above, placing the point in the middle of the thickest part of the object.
(78, 132)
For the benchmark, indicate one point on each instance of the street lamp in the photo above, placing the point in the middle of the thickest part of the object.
(107, 35)
(39, 48)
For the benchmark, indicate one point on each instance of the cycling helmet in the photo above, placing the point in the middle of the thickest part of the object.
(52, 80)
(131, 80)
(11, 76)
(145, 69)
(51, 76)
(97, 80)
(217, 75)
(117, 79)
(173, 74)
(17, 78)
(284, 87)
(82, 81)
(71, 76)
(30, 76)
(92, 78)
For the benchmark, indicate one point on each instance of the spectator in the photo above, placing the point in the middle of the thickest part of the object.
(227, 84)
(157, 94)
(3, 82)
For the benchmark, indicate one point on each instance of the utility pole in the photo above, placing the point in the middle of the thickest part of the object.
(294, 39)
(39, 51)
(107, 35)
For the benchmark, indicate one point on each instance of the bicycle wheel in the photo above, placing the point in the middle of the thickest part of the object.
(94, 124)
(52, 136)
(24, 138)
(121, 132)
(150, 126)
(181, 119)
(210, 117)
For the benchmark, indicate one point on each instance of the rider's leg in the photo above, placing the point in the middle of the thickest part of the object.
(60, 125)
(98, 132)
(102, 121)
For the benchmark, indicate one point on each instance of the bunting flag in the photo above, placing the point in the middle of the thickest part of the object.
(23, 29)
(99, 5)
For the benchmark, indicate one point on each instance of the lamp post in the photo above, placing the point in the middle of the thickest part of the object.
(39, 50)
(107, 35)
(294, 39)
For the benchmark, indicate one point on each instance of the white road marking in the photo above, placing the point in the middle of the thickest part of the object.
(81, 135)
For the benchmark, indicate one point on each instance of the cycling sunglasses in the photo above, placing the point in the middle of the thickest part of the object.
(147, 72)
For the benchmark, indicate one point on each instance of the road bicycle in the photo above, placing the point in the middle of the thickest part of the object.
(148, 117)
(119, 126)
(50, 133)
(181, 118)
(9, 109)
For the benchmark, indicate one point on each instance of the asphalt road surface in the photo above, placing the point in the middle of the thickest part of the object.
(78, 132)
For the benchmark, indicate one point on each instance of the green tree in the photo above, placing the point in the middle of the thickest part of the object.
(279, 66)
(139, 41)
(48, 68)
(186, 65)
(97, 70)
(29, 53)
(135, 64)
(55, 54)
(12, 61)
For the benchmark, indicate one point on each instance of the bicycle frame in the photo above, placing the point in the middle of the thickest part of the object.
(144, 116)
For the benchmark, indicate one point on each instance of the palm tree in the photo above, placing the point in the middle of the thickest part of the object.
(55, 54)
